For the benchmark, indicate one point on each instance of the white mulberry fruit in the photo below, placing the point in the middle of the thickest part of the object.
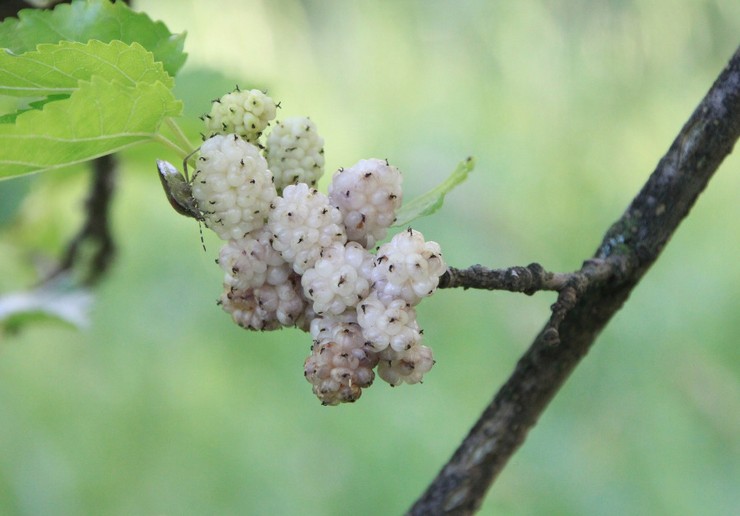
(322, 325)
(232, 186)
(339, 279)
(267, 307)
(243, 112)
(302, 222)
(251, 261)
(306, 318)
(393, 325)
(407, 366)
(340, 364)
(368, 194)
(407, 267)
(295, 152)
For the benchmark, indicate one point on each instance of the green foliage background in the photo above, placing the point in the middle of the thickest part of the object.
(164, 407)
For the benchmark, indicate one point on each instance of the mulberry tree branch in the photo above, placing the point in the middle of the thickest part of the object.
(583, 309)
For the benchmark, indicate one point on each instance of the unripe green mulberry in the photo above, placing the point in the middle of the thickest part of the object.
(243, 112)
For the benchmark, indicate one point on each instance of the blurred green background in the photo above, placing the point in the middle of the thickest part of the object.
(163, 406)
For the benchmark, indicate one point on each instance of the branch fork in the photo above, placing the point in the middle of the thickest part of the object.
(534, 278)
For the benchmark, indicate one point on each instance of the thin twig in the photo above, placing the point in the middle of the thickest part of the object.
(534, 278)
(528, 280)
(628, 249)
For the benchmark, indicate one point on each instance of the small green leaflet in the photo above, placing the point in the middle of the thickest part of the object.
(57, 69)
(101, 20)
(428, 203)
(100, 117)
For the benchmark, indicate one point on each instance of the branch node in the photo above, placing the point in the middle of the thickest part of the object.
(551, 336)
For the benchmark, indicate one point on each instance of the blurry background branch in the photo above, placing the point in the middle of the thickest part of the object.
(95, 231)
(630, 247)
(10, 8)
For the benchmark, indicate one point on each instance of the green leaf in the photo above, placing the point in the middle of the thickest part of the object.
(428, 203)
(56, 69)
(98, 118)
(10, 118)
(101, 20)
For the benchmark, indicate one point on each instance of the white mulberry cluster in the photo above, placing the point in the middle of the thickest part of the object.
(368, 194)
(296, 257)
(295, 152)
(371, 297)
(243, 112)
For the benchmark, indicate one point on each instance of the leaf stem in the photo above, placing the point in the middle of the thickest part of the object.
(159, 137)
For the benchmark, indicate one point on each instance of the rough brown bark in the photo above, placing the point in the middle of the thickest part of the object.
(628, 249)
